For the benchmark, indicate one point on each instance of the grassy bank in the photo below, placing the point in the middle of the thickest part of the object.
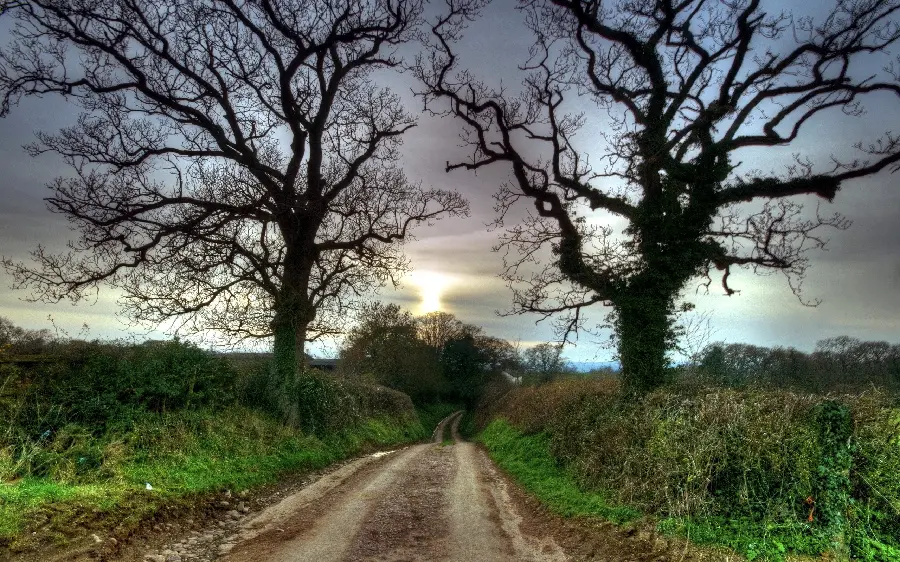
(767, 473)
(184, 457)
(529, 460)
(111, 437)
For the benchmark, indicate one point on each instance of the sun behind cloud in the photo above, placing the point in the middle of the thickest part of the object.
(431, 286)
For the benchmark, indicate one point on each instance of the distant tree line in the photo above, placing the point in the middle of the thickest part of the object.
(438, 357)
(21, 341)
(430, 357)
(837, 364)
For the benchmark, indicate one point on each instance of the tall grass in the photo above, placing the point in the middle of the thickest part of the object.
(752, 469)
(86, 430)
(183, 456)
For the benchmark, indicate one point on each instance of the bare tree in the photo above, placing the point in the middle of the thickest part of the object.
(235, 163)
(437, 328)
(681, 90)
(544, 362)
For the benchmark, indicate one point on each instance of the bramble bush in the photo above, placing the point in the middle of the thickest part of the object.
(97, 384)
(764, 471)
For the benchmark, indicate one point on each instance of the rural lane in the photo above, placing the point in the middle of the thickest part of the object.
(432, 501)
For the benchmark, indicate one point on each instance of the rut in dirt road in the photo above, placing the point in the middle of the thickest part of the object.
(424, 502)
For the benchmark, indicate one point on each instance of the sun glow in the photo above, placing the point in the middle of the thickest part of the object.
(431, 286)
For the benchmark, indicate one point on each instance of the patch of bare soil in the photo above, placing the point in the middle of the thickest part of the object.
(429, 502)
(317, 524)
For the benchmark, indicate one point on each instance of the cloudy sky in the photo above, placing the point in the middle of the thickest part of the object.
(857, 279)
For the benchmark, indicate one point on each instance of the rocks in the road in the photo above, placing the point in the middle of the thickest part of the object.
(200, 546)
(209, 543)
(200, 540)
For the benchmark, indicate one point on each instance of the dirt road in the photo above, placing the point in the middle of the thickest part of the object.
(443, 501)
(432, 501)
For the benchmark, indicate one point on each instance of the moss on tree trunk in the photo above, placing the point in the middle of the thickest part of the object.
(643, 324)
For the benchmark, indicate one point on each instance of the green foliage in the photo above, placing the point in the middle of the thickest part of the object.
(833, 482)
(96, 384)
(184, 455)
(754, 539)
(529, 460)
(765, 472)
(874, 510)
(327, 404)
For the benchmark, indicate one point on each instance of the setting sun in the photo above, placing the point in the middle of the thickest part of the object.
(431, 285)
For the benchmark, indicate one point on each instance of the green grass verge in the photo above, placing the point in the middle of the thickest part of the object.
(432, 414)
(527, 458)
(756, 540)
(766, 540)
(184, 456)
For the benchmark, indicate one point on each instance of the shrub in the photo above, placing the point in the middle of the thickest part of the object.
(875, 486)
(810, 469)
(327, 404)
(50, 407)
(100, 383)
(319, 402)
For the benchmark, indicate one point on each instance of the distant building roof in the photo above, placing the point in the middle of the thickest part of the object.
(324, 364)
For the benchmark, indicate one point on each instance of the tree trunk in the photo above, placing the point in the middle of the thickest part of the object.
(285, 348)
(289, 328)
(643, 325)
(293, 314)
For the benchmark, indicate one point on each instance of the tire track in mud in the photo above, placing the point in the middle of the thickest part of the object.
(317, 527)
(422, 503)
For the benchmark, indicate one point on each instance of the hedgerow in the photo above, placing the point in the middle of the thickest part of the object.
(764, 471)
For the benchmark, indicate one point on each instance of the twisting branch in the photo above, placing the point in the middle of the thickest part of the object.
(235, 162)
(682, 89)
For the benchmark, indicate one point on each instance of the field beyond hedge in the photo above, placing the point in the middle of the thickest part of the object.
(767, 473)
